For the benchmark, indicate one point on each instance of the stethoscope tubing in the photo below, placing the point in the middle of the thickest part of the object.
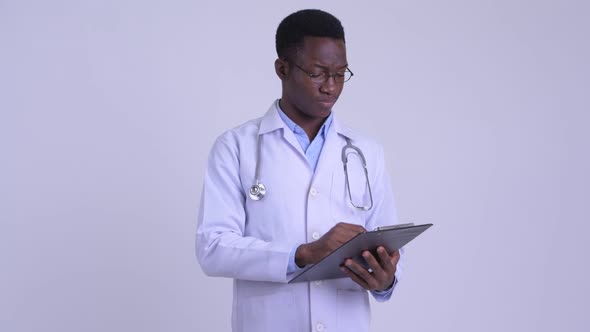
(258, 190)
(364, 162)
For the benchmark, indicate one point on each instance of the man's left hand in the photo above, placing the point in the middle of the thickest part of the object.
(382, 272)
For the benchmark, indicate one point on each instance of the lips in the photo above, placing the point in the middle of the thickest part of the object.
(327, 102)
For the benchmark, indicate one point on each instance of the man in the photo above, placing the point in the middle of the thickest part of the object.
(275, 197)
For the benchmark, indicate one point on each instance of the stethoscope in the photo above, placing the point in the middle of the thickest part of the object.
(258, 190)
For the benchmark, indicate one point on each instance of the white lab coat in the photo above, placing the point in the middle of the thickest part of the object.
(250, 241)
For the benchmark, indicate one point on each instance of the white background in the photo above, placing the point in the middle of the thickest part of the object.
(108, 110)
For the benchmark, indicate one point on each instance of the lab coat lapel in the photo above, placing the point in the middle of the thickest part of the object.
(272, 121)
(331, 156)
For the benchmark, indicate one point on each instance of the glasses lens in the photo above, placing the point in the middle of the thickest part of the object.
(347, 75)
(343, 76)
(318, 77)
(340, 77)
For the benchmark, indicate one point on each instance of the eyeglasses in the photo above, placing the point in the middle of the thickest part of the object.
(321, 77)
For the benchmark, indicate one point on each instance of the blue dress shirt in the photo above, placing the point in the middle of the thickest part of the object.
(314, 148)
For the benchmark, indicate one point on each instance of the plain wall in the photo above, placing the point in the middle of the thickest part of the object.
(108, 110)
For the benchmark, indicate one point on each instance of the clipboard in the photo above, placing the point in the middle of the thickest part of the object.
(390, 237)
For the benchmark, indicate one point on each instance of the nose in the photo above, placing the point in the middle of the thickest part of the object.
(329, 86)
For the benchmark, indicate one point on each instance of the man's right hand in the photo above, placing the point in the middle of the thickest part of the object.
(313, 252)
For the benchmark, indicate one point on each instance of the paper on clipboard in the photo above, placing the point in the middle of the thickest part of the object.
(390, 237)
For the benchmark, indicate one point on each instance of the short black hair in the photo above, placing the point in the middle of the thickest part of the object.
(303, 23)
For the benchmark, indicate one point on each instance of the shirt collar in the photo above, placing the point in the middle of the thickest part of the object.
(298, 130)
(272, 121)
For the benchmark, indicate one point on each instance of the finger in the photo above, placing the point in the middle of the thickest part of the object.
(351, 227)
(348, 233)
(355, 278)
(386, 260)
(337, 238)
(342, 234)
(381, 275)
(361, 272)
(395, 257)
(372, 262)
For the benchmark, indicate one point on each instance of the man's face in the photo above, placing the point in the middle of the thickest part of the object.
(310, 99)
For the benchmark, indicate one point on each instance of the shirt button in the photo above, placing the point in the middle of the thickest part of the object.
(317, 282)
(315, 235)
(319, 326)
(313, 192)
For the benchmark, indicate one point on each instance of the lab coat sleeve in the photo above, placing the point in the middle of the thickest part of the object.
(222, 249)
(384, 213)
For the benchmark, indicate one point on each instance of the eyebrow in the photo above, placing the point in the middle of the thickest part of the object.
(326, 67)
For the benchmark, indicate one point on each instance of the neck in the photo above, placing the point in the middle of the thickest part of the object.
(311, 125)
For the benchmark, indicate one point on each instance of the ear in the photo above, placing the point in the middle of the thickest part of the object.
(282, 69)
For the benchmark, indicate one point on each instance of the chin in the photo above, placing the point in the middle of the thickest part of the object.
(321, 112)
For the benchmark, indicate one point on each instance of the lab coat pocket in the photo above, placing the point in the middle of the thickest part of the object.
(268, 312)
(353, 310)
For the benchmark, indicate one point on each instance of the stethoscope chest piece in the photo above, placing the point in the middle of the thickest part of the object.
(257, 191)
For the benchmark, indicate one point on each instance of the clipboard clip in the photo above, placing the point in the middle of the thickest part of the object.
(386, 228)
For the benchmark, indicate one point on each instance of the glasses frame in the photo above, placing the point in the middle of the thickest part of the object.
(325, 76)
